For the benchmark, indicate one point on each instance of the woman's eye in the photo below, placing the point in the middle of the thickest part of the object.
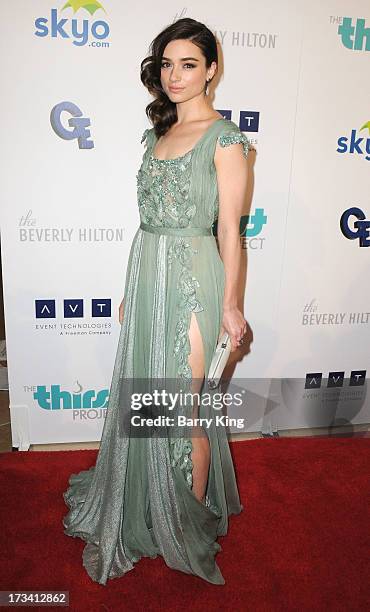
(164, 64)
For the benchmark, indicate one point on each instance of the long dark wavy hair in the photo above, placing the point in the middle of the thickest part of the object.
(162, 111)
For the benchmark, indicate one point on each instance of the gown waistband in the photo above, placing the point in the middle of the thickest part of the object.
(177, 231)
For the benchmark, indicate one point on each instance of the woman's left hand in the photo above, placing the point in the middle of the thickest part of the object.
(234, 323)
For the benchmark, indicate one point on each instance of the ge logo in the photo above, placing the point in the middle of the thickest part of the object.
(362, 226)
(77, 123)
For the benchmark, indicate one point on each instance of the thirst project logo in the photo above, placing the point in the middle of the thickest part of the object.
(355, 37)
(56, 398)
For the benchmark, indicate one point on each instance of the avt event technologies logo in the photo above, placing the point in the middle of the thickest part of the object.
(353, 37)
(73, 321)
(81, 31)
(335, 379)
(78, 123)
(46, 309)
(87, 404)
(355, 144)
(361, 225)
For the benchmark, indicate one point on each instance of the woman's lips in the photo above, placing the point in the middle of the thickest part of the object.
(174, 89)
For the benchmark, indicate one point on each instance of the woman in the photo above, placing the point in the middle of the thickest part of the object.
(169, 489)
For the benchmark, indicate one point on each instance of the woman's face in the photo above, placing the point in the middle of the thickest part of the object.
(183, 66)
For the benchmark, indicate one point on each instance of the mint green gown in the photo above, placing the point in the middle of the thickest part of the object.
(137, 499)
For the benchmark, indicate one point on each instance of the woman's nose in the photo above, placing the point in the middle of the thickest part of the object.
(174, 76)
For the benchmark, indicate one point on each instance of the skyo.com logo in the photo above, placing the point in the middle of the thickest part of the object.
(355, 144)
(354, 36)
(361, 225)
(80, 31)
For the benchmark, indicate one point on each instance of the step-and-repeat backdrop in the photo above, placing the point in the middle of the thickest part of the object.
(294, 77)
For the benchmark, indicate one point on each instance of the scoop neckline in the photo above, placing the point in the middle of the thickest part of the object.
(173, 159)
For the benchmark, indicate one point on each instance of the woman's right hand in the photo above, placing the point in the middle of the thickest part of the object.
(234, 323)
(120, 311)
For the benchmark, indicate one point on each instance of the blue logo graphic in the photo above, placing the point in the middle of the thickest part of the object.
(353, 37)
(78, 123)
(79, 30)
(101, 308)
(55, 399)
(249, 121)
(73, 308)
(45, 309)
(362, 225)
(355, 144)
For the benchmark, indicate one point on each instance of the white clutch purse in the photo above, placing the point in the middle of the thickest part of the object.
(219, 361)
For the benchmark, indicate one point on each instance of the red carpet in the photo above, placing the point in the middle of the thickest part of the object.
(301, 543)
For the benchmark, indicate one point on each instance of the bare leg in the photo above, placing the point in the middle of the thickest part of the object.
(200, 455)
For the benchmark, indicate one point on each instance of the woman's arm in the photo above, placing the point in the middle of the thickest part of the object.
(232, 176)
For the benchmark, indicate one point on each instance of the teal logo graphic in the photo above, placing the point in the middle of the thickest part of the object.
(57, 399)
(355, 144)
(252, 225)
(354, 36)
(81, 31)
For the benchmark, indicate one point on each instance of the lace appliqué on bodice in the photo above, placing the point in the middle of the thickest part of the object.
(163, 190)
